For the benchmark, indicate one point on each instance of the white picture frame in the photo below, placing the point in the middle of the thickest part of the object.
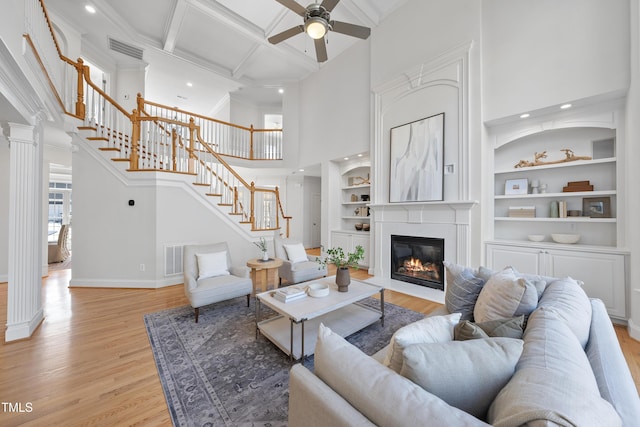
(516, 186)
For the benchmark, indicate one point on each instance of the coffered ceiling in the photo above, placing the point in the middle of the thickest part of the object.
(220, 46)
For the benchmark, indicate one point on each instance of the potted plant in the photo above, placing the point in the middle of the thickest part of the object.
(262, 245)
(342, 262)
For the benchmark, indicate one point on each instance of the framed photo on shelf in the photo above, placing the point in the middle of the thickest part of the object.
(516, 186)
(596, 207)
(417, 161)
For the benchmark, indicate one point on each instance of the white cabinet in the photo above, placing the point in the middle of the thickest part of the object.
(603, 272)
(348, 242)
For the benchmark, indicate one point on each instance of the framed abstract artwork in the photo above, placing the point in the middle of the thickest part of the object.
(417, 161)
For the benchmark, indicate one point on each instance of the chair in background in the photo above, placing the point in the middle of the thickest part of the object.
(59, 252)
(297, 266)
(210, 277)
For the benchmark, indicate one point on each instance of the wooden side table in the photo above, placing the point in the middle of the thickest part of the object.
(264, 273)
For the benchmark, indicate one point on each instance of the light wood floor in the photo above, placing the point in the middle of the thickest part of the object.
(90, 362)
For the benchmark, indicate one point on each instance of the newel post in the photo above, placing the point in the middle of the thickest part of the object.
(252, 217)
(140, 102)
(192, 146)
(251, 144)
(135, 140)
(80, 107)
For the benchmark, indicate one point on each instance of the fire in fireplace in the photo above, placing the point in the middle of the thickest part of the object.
(418, 260)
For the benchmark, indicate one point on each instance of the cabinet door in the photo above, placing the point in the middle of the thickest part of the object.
(364, 242)
(524, 260)
(342, 240)
(603, 275)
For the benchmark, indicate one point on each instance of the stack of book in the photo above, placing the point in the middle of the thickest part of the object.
(290, 293)
(522, 211)
(562, 208)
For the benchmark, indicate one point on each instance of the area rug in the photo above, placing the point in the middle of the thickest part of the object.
(216, 373)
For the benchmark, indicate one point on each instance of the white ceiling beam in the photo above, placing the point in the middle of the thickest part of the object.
(367, 13)
(171, 35)
(240, 69)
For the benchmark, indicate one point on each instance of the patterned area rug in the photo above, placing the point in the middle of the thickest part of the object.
(216, 373)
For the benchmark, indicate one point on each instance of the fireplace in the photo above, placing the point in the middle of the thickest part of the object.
(418, 260)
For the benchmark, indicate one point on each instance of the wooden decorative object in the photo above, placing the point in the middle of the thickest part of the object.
(569, 157)
(574, 186)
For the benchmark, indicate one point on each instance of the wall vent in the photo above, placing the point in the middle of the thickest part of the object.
(125, 49)
(172, 260)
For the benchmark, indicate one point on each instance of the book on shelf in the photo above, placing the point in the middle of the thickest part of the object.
(562, 208)
(289, 293)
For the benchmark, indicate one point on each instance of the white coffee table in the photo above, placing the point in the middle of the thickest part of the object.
(295, 329)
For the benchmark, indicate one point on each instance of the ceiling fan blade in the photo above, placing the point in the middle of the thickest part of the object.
(292, 5)
(329, 4)
(286, 34)
(351, 29)
(321, 50)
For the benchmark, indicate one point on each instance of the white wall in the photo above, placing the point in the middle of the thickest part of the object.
(546, 52)
(130, 82)
(334, 108)
(633, 176)
(4, 208)
(110, 238)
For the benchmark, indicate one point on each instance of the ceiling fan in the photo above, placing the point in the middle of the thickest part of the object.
(317, 23)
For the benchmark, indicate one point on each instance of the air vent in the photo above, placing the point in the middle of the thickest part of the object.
(125, 49)
(172, 260)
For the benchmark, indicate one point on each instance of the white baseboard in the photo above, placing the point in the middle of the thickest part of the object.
(634, 330)
(132, 284)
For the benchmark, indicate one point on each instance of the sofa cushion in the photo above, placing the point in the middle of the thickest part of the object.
(383, 396)
(296, 253)
(212, 264)
(505, 295)
(567, 298)
(509, 328)
(553, 382)
(463, 288)
(610, 367)
(428, 330)
(465, 374)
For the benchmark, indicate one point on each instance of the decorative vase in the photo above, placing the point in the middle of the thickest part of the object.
(265, 256)
(343, 279)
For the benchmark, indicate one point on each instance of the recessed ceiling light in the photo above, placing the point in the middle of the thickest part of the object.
(300, 170)
(359, 155)
(189, 84)
(90, 8)
(346, 158)
(280, 90)
(524, 116)
(565, 106)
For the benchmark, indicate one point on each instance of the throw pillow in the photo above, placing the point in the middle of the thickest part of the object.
(428, 330)
(505, 295)
(465, 374)
(296, 253)
(463, 288)
(212, 265)
(508, 328)
(381, 395)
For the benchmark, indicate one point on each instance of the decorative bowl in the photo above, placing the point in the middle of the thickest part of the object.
(318, 290)
(358, 226)
(536, 237)
(565, 238)
(365, 227)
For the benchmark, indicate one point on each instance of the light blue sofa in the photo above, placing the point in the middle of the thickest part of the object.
(571, 372)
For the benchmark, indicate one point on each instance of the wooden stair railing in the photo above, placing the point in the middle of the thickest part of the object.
(152, 137)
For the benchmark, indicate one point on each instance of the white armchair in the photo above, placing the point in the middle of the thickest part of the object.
(209, 276)
(296, 266)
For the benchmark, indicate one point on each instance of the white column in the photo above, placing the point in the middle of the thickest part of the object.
(24, 305)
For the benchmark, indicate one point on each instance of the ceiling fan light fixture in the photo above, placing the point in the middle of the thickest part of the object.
(315, 27)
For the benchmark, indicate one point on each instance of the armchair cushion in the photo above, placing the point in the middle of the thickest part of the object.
(212, 265)
(296, 253)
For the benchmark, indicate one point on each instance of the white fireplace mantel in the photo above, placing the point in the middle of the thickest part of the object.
(448, 220)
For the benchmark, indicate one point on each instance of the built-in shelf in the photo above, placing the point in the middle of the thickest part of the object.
(558, 165)
(557, 195)
(567, 219)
